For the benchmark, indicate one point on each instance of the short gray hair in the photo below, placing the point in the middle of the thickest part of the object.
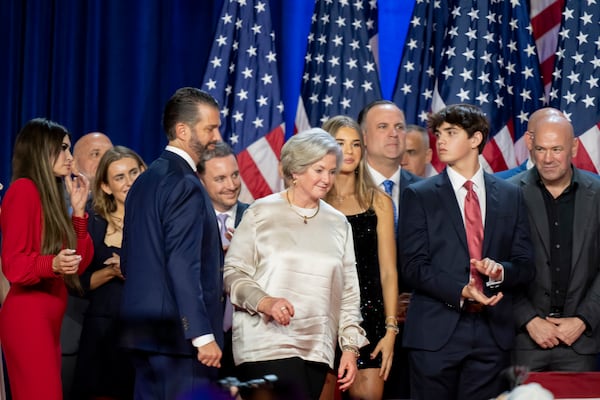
(306, 148)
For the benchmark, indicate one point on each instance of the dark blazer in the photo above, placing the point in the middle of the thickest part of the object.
(172, 261)
(509, 173)
(241, 209)
(406, 178)
(583, 293)
(435, 258)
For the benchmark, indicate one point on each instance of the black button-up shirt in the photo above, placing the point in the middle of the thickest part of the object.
(560, 212)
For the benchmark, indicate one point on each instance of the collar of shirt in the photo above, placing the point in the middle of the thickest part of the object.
(231, 212)
(572, 186)
(181, 153)
(529, 164)
(457, 181)
(379, 178)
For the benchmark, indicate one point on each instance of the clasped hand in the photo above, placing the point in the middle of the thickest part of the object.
(66, 262)
(491, 269)
(549, 332)
(114, 265)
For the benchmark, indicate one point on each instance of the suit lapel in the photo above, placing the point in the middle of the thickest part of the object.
(536, 206)
(449, 202)
(581, 219)
(492, 205)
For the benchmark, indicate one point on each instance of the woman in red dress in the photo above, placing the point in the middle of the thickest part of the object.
(43, 251)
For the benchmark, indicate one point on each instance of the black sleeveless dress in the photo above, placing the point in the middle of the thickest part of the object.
(364, 230)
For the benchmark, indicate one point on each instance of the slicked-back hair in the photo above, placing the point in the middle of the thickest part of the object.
(306, 148)
(469, 117)
(364, 186)
(183, 107)
(220, 150)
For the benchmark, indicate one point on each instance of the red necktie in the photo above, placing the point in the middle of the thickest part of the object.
(474, 229)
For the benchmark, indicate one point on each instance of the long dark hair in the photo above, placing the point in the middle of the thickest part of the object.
(37, 147)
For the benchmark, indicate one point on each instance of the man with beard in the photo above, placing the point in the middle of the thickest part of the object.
(172, 259)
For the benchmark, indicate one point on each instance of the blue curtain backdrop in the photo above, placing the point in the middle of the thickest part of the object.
(110, 65)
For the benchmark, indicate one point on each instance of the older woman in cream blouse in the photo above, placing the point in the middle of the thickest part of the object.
(291, 274)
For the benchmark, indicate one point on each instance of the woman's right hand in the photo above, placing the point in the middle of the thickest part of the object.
(66, 262)
(113, 264)
(277, 308)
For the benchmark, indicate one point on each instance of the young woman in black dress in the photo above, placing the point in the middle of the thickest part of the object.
(370, 212)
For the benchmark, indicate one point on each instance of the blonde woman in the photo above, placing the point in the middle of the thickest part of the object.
(370, 213)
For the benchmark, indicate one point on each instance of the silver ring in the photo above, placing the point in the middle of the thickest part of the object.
(283, 308)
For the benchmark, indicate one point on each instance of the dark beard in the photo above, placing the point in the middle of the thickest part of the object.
(197, 147)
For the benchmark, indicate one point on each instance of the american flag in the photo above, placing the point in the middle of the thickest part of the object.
(242, 76)
(576, 84)
(483, 55)
(340, 72)
(545, 20)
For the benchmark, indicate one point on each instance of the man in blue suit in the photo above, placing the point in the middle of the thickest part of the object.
(384, 129)
(172, 259)
(465, 250)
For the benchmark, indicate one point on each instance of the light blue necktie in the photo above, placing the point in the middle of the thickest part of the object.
(388, 185)
(228, 314)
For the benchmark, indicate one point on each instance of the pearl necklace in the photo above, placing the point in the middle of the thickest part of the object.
(305, 217)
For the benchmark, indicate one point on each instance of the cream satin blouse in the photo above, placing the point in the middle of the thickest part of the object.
(273, 253)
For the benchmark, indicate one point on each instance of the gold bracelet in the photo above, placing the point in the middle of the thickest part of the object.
(391, 317)
(352, 349)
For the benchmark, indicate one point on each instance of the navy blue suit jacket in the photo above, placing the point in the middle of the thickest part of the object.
(172, 261)
(435, 257)
(241, 209)
(406, 178)
(513, 171)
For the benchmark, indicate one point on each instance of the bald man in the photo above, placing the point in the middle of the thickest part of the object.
(558, 318)
(533, 118)
(88, 151)
(417, 154)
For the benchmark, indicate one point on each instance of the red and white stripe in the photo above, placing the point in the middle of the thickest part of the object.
(546, 16)
(259, 166)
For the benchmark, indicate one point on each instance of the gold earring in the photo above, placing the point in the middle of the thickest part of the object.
(294, 182)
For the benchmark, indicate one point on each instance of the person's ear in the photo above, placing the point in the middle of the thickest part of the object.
(476, 139)
(106, 189)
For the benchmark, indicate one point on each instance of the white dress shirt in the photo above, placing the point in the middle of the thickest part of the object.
(378, 178)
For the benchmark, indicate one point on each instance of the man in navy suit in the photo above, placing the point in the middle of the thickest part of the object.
(384, 129)
(459, 325)
(220, 174)
(172, 259)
